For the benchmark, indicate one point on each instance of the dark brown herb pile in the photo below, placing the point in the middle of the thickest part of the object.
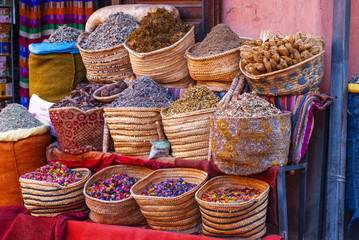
(220, 39)
(112, 32)
(157, 30)
(143, 92)
(64, 34)
(81, 97)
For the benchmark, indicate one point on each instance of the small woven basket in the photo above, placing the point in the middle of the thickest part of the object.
(167, 66)
(105, 66)
(122, 212)
(107, 99)
(165, 213)
(299, 79)
(244, 146)
(78, 131)
(132, 129)
(245, 220)
(188, 133)
(51, 199)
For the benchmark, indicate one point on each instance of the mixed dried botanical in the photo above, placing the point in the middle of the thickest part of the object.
(112, 32)
(157, 30)
(143, 92)
(15, 116)
(64, 34)
(81, 97)
(113, 89)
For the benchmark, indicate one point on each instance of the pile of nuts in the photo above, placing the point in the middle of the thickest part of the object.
(113, 89)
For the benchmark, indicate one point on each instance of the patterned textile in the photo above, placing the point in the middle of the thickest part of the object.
(40, 18)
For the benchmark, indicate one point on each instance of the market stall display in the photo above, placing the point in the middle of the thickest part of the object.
(107, 195)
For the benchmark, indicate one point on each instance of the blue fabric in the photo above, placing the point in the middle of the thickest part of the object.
(48, 48)
(352, 172)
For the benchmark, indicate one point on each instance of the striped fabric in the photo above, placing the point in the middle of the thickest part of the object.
(40, 18)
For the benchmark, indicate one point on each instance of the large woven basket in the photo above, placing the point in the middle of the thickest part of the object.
(167, 66)
(78, 131)
(179, 213)
(122, 212)
(245, 220)
(51, 199)
(188, 133)
(105, 66)
(299, 79)
(244, 146)
(132, 129)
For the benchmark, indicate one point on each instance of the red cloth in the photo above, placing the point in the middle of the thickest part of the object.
(17, 223)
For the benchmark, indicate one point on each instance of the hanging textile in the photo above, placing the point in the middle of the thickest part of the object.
(40, 18)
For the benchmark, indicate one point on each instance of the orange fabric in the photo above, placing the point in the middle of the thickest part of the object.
(16, 159)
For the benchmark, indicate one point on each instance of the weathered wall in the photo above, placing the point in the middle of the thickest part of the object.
(354, 39)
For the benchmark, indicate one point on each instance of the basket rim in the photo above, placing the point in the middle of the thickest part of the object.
(145, 54)
(97, 50)
(181, 115)
(284, 113)
(116, 109)
(261, 76)
(77, 109)
(87, 176)
(200, 201)
(105, 98)
(105, 169)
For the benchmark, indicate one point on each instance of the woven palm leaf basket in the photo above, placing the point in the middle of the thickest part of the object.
(245, 220)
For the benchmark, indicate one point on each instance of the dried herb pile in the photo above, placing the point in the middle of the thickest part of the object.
(220, 39)
(143, 92)
(157, 30)
(15, 116)
(81, 97)
(248, 105)
(64, 34)
(194, 99)
(112, 32)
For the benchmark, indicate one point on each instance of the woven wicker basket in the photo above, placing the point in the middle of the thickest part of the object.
(188, 133)
(216, 86)
(78, 131)
(105, 66)
(167, 66)
(122, 212)
(132, 129)
(173, 214)
(50, 199)
(244, 146)
(299, 79)
(244, 220)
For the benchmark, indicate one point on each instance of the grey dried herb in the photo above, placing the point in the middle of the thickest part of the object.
(64, 34)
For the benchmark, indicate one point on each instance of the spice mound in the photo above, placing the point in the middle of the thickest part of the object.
(158, 30)
(230, 195)
(220, 39)
(112, 32)
(248, 105)
(15, 116)
(54, 173)
(194, 99)
(81, 97)
(64, 34)
(143, 92)
(114, 188)
(169, 188)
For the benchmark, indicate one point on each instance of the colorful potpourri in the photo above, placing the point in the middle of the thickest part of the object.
(114, 188)
(230, 195)
(55, 173)
(169, 188)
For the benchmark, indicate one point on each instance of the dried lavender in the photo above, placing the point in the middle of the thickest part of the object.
(112, 32)
(248, 105)
(143, 92)
(64, 34)
(15, 116)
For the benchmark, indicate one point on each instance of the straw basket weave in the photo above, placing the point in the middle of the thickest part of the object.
(105, 66)
(78, 131)
(188, 133)
(243, 146)
(299, 79)
(51, 199)
(122, 212)
(167, 66)
(245, 220)
(132, 129)
(165, 213)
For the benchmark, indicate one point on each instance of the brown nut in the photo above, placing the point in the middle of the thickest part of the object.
(117, 90)
(283, 50)
(105, 93)
(258, 41)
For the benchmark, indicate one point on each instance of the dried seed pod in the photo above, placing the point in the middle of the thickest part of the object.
(266, 46)
(296, 55)
(245, 48)
(258, 49)
(292, 55)
(244, 62)
(305, 55)
(258, 41)
(267, 65)
(247, 54)
(285, 41)
(289, 47)
(274, 50)
(304, 37)
(276, 57)
(250, 69)
(273, 64)
(301, 47)
(283, 50)
(308, 45)
(291, 39)
(110, 87)
(297, 43)
(279, 42)
(295, 61)
(279, 67)
(288, 60)
(267, 54)
(258, 58)
(260, 66)
(283, 63)
(248, 43)
(298, 36)
(314, 50)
